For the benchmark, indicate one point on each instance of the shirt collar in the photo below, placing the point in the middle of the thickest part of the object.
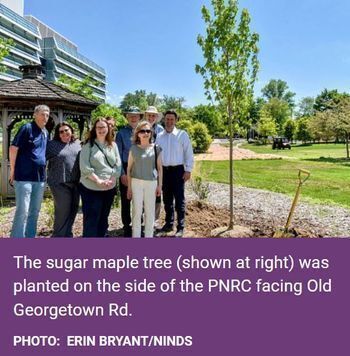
(37, 127)
(174, 132)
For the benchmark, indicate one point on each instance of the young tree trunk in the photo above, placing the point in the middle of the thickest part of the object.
(347, 144)
(231, 165)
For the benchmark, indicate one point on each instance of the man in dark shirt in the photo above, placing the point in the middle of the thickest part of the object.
(124, 137)
(27, 172)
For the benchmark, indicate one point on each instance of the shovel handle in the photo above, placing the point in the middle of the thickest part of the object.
(306, 173)
(296, 197)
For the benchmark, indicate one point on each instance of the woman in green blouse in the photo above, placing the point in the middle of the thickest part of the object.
(100, 167)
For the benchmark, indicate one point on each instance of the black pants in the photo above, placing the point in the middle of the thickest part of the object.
(125, 203)
(66, 202)
(174, 189)
(96, 207)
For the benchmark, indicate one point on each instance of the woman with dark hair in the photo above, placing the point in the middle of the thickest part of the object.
(144, 178)
(100, 167)
(62, 153)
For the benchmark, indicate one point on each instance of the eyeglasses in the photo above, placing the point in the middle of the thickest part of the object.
(64, 130)
(102, 127)
(145, 131)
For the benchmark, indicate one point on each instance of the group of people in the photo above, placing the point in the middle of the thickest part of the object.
(146, 159)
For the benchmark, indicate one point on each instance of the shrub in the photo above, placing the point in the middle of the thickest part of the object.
(200, 138)
(198, 133)
(186, 125)
(200, 188)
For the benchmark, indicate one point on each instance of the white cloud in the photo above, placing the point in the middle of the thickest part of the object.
(114, 99)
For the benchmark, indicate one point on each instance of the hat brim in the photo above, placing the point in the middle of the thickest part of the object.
(159, 115)
(133, 112)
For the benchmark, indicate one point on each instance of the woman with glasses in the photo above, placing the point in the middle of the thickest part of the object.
(100, 167)
(144, 178)
(62, 153)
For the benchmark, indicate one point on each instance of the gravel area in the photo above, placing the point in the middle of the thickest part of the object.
(259, 210)
(255, 206)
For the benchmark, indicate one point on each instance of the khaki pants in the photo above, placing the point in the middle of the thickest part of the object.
(143, 197)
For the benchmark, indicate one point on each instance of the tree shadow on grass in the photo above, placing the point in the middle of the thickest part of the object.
(339, 161)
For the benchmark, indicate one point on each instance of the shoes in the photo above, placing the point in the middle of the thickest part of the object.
(127, 232)
(167, 228)
(179, 233)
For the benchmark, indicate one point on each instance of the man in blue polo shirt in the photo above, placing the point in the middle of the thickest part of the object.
(27, 172)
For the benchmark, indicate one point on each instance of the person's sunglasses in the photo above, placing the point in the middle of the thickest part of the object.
(145, 131)
(62, 131)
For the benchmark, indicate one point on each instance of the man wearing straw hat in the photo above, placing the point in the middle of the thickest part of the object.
(123, 139)
(154, 117)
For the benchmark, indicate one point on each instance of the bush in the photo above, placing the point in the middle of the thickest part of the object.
(200, 188)
(201, 139)
(198, 133)
(186, 125)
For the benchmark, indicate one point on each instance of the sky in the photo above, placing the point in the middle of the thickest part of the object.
(151, 44)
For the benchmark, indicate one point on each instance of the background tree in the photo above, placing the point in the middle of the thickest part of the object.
(278, 110)
(321, 126)
(278, 89)
(231, 64)
(303, 132)
(172, 102)
(341, 120)
(153, 99)
(5, 45)
(306, 107)
(80, 87)
(211, 117)
(289, 129)
(266, 127)
(104, 110)
(138, 98)
(255, 110)
(327, 99)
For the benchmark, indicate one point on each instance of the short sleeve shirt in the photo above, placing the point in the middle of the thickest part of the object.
(144, 166)
(31, 141)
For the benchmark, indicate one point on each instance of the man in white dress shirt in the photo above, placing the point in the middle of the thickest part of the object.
(177, 157)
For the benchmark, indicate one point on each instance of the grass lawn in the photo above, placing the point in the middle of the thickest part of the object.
(303, 151)
(329, 182)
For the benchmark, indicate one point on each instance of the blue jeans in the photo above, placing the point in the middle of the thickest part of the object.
(29, 196)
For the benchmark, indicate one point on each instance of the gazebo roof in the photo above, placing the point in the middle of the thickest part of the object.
(40, 89)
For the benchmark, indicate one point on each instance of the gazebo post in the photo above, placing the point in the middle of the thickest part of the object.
(60, 116)
(5, 159)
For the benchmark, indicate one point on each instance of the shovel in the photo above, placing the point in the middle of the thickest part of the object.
(302, 179)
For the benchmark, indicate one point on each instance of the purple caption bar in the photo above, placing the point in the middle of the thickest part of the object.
(166, 296)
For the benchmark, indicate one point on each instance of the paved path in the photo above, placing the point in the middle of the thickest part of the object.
(219, 151)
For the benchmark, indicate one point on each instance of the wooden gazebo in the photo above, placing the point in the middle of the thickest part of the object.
(18, 100)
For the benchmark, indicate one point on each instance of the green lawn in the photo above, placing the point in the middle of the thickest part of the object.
(329, 182)
(303, 151)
